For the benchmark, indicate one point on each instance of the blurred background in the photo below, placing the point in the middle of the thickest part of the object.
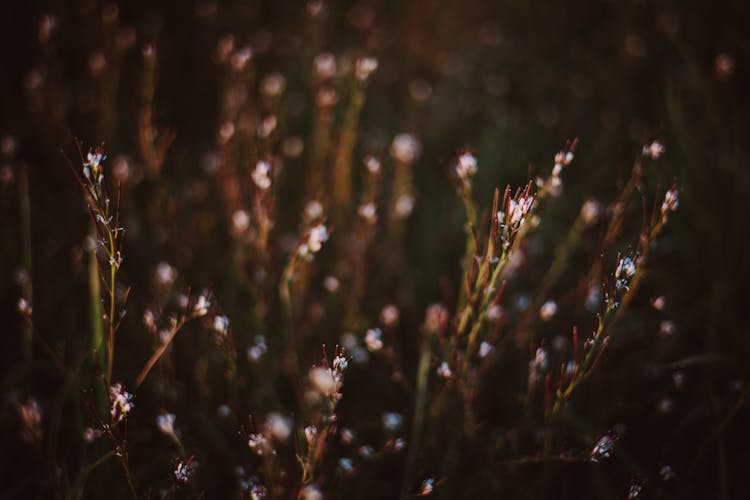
(170, 88)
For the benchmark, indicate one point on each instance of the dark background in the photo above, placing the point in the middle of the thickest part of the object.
(512, 80)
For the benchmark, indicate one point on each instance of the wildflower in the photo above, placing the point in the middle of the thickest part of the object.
(427, 487)
(624, 272)
(671, 202)
(240, 58)
(538, 365)
(30, 414)
(562, 158)
(634, 491)
(365, 66)
(368, 212)
(389, 315)
(257, 350)
(444, 371)
(405, 148)
(435, 318)
(518, 210)
(165, 274)
(678, 379)
(221, 325)
(315, 239)
(366, 451)
(659, 303)
(603, 448)
(372, 164)
(666, 328)
(311, 433)
(273, 85)
(278, 426)
(466, 167)
(240, 221)
(405, 205)
(260, 175)
(548, 310)
(653, 150)
(346, 465)
(485, 348)
(324, 65)
(347, 436)
(373, 339)
(184, 470)
(90, 434)
(495, 313)
(326, 381)
(165, 423)
(590, 211)
(331, 284)
(201, 306)
(259, 444)
(121, 402)
(310, 492)
(313, 210)
(392, 421)
(92, 167)
(666, 473)
(24, 306)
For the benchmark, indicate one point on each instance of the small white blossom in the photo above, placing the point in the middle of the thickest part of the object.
(165, 423)
(405, 148)
(240, 221)
(201, 306)
(369, 212)
(365, 66)
(389, 315)
(590, 211)
(427, 487)
(311, 433)
(310, 492)
(485, 348)
(405, 205)
(221, 325)
(603, 448)
(273, 85)
(671, 201)
(331, 284)
(24, 306)
(666, 473)
(121, 402)
(184, 470)
(313, 211)
(548, 310)
(315, 239)
(466, 166)
(260, 175)
(324, 65)
(538, 365)
(259, 444)
(90, 434)
(165, 274)
(392, 421)
(654, 150)
(373, 339)
(278, 426)
(444, 371)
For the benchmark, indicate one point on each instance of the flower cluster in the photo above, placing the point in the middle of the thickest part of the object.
(121, 402)
(314, 242)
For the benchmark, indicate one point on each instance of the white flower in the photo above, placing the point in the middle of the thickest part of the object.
(240, 221)
(369, 212)
(365, 66)
(324, 65)
(671, 201)
(654, 150)
(373, 339)
(405, 205)
(165, 423)
(201, 306)
(121, 402)
(603, 448)
(221, 324)
(485, 348)
(313, 210)
(260, 175)
(392, 421)
(389, 315)
(548, 310)
(405, 148)
(184, 470)
(279, 426)
(444, 371)
(310, 492)
(466, 166)
(624, 272)
(590, 211)
(273, 85)
(165, 274)
(259, 444)
(315, 239)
